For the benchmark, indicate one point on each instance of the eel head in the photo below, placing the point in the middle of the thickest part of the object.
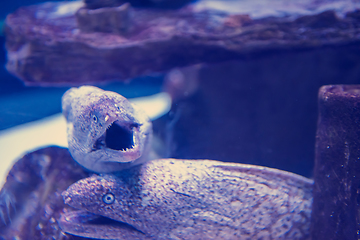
(105, 131)
(106, 210)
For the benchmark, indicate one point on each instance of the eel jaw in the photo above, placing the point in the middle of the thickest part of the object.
(119, 137)
(95, 226)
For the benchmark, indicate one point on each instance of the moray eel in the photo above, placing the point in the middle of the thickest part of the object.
(105, 131)
(190, 199)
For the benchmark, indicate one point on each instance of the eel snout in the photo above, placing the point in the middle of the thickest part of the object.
(95, 226)
(81, 221)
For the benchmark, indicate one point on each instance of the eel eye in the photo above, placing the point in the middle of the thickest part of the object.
(108, 198)
(95, 118)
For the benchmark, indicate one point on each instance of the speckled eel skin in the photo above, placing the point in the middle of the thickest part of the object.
(106, 132)
(190, 199)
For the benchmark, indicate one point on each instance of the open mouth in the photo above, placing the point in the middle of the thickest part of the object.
(117, 136)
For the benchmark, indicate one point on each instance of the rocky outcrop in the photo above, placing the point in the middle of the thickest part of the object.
(46, 47)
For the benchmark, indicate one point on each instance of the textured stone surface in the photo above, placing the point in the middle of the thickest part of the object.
(30, 200)
(112, 20)
(92, 4)
(336, 191)
(45, 46)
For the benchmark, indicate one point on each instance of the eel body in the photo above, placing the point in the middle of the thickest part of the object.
(190, 199)
(105, 131)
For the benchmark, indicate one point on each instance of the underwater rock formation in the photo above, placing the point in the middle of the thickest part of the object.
(46, 47)
(112, 20)
(335, 213)
(30, 200)
(93, 4)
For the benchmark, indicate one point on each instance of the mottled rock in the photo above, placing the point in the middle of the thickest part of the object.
(112, 20)
(46, 47)
(335, 212)
(30, 200)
